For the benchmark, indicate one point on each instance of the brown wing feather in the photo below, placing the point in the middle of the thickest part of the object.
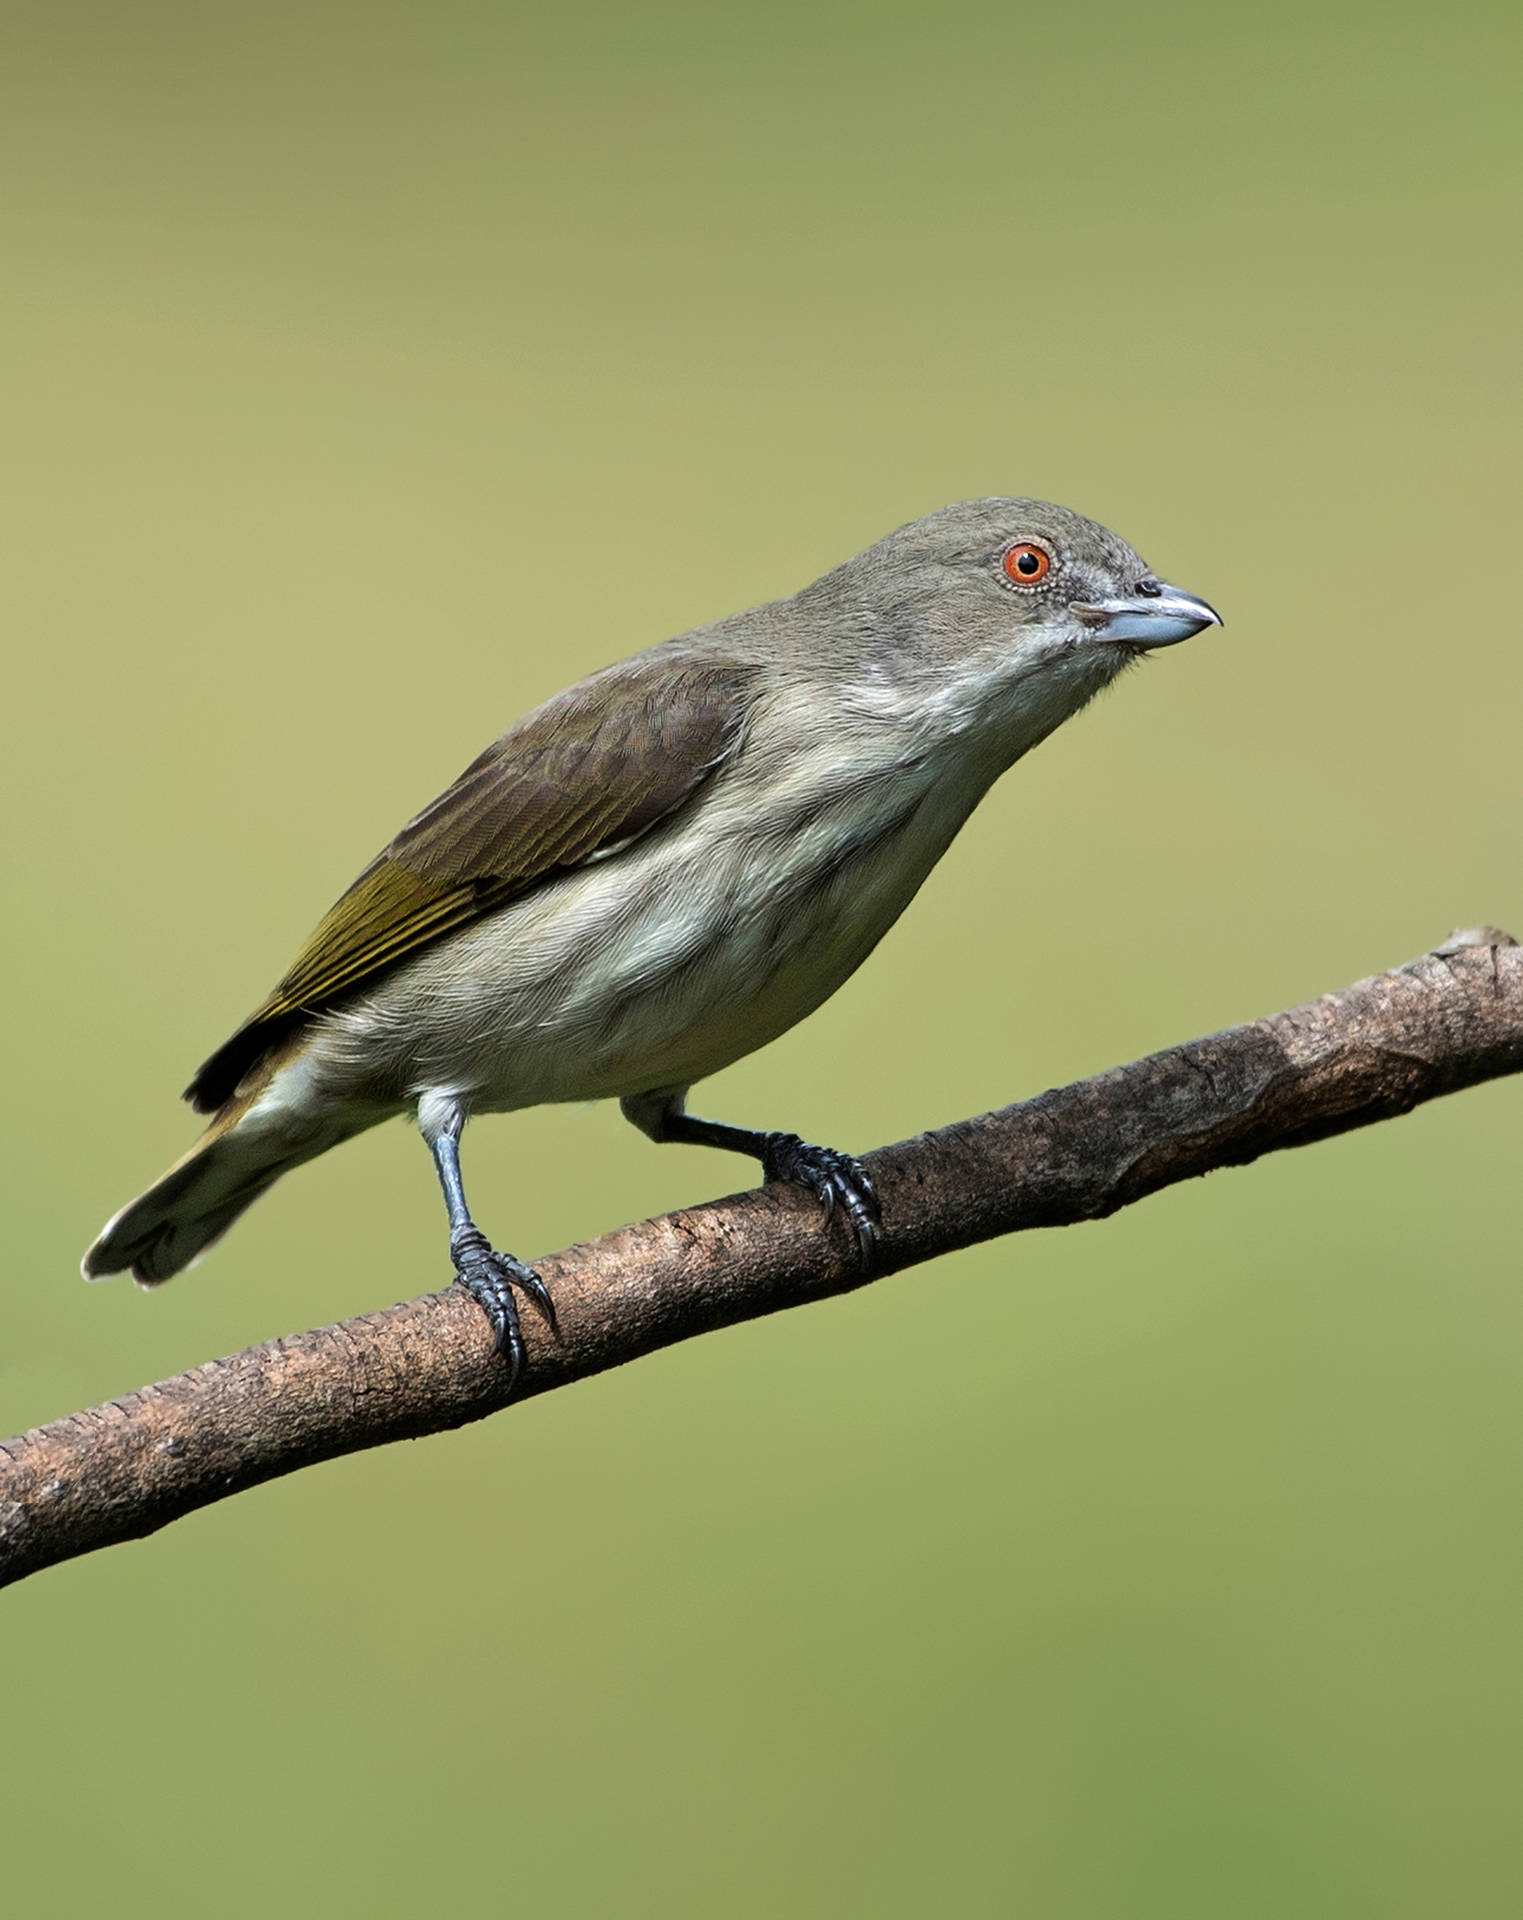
(600, 764)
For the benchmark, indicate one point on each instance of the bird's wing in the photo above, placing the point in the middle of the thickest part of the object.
(591, 769)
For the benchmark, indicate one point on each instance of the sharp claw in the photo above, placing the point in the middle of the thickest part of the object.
(489, 1278)
(862, 1227)
(539, 1294)
(836, 1181)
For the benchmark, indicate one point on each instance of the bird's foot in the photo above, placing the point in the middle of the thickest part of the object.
(836, 1179)
(490, 1278)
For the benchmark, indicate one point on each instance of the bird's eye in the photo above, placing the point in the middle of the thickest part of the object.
(1027, 565)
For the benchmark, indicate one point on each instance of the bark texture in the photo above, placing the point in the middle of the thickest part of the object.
(1374, 1050)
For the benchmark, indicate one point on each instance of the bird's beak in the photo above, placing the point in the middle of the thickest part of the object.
(1157, 619)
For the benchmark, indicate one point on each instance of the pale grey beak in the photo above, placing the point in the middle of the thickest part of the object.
(1157, 616)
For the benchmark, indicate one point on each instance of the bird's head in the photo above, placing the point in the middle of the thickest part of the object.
(1013, 602)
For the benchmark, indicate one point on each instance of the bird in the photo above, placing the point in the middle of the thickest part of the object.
(660, 870)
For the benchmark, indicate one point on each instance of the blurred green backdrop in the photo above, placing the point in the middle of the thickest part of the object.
(369, 372)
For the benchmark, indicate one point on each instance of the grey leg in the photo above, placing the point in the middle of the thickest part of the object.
(488, 1277)
(833, 1178)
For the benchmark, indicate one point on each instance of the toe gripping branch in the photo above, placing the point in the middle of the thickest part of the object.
(491, 1279)
(835, 1179)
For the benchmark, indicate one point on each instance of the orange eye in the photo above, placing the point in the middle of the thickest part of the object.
(1027, 565)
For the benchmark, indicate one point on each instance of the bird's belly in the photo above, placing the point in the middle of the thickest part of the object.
(762, 970)
(656, 968)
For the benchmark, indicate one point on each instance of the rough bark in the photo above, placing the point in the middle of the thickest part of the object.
(1377, 1049)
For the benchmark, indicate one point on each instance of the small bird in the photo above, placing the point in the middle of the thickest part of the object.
(663, 868)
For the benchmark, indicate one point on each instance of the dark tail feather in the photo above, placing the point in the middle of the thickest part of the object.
(218, 1079)
(181, 1214)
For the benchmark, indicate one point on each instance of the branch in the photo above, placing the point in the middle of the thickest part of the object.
(116, 1472)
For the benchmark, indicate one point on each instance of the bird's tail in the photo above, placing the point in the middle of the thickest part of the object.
(191, 1205)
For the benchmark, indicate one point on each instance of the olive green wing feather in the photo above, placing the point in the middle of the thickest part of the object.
(597, 766)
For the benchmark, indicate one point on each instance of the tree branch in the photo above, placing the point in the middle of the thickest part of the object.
(1375, 1050)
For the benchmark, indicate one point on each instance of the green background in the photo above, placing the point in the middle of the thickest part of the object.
(368, 373)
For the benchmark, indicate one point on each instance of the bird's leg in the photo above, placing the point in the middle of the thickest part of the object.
(833, 1178)
(488, 1276)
